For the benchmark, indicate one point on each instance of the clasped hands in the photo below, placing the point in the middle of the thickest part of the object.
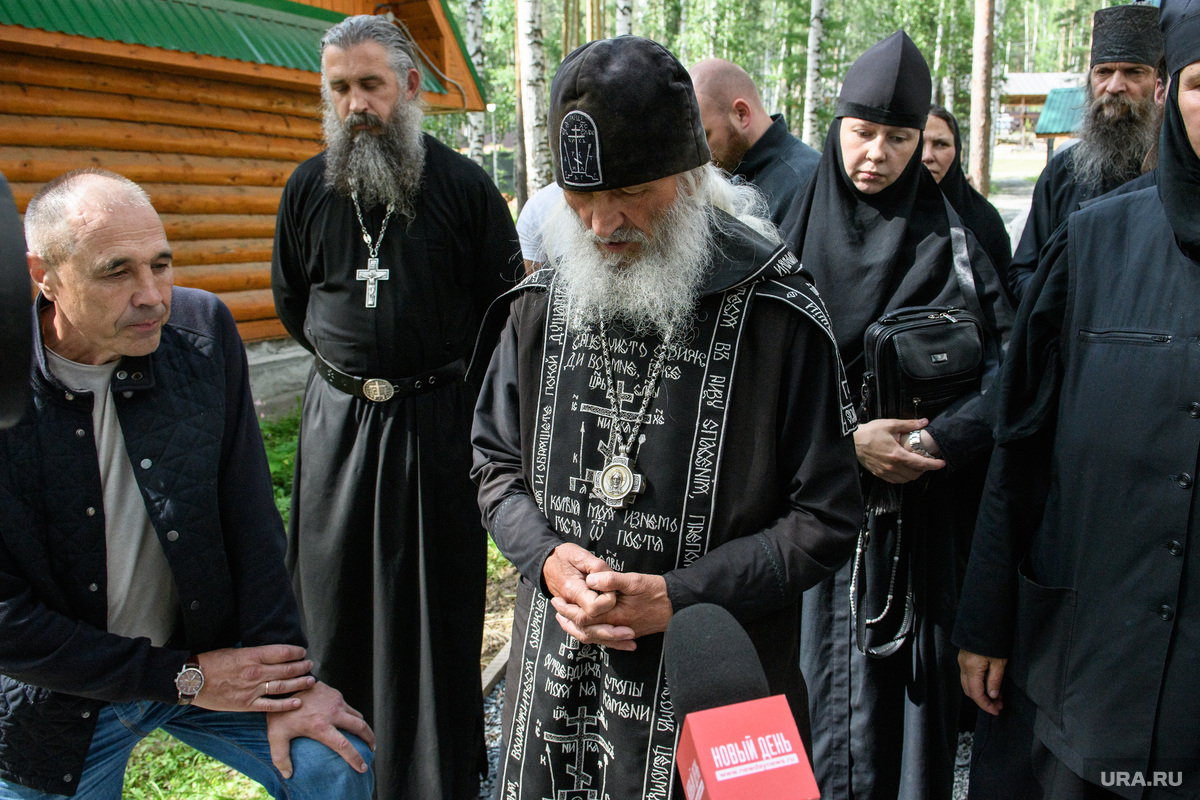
(598, 605)
(251, 678)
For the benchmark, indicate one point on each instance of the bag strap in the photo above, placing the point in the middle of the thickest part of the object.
(962, 263)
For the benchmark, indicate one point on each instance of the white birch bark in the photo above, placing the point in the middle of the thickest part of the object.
(812, 78)
(476, 120)
(624, 17)
(539, 168)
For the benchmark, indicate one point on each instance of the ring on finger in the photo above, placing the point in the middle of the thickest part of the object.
(267, 688)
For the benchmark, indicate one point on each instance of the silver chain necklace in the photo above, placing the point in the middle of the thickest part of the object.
(617, 484)
(372, 274)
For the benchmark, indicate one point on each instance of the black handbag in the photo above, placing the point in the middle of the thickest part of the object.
(918, 361)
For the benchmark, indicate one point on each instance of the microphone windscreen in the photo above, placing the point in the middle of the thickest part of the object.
(16, 337)
(710, 661)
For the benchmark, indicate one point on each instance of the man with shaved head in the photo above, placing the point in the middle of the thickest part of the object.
(142, 582)
(745, 140)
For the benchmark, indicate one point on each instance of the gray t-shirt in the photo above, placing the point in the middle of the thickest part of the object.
(142, 599)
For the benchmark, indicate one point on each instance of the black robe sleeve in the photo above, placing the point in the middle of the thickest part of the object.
(818, 472)
(289, 279)
(1019, 474)
(520, 530)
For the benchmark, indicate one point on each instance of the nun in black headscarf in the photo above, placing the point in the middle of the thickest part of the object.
(1079, 618)
(877, 234)
(942, 156)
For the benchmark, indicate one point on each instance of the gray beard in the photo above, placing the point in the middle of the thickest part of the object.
(654, 292)
(378, 169)
(1112, 149)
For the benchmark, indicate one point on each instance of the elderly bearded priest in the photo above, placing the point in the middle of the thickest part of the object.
(665, 422)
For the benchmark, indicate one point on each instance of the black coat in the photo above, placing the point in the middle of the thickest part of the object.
(1084, 569)
(780, 166)
(186, 411)
(1055, 195)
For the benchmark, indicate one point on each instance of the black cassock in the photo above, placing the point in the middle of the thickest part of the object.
(751, 496)
(1055, 196)
(384, 543)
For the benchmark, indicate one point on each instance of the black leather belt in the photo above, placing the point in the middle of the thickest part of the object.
(379, 390)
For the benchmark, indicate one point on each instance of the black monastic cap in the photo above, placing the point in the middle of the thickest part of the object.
(1126, 34)
(889, 84)
(1180, 23)
(625, 113)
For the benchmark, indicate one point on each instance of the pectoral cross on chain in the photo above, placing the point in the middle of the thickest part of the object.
(372, 275)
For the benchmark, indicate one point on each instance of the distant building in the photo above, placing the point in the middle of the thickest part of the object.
(1023, 95)
(209, 104)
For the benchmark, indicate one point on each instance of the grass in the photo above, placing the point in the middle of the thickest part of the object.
(164, 768)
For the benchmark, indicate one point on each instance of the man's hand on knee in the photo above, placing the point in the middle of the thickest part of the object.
(242, 678)
(322, 716)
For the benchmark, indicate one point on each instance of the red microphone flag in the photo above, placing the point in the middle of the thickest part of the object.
(745, 751)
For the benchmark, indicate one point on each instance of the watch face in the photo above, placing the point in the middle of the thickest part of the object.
(189, 681)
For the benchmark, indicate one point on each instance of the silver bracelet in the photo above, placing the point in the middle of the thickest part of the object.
(914, 443)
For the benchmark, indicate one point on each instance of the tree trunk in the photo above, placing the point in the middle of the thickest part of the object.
(476, 120)
(518, 171)
(624, 17)
(570, 34)
(981, 96)
(812, 78)
(539, 169)
(595, 20)
(939, 96)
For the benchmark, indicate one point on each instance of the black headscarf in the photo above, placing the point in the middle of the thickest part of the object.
(980, 216)
(1178, 174)
(874, 253)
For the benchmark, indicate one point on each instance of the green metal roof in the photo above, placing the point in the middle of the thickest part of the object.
(273, 32)
(1062, 112)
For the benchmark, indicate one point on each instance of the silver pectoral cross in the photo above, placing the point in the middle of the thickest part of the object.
(372, 275)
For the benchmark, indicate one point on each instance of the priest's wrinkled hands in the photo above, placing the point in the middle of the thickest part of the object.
(879, 445)
(641, 607)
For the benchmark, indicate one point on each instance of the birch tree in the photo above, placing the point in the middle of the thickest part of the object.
(476, 120)
(539, 168)
(624, 17)
(812, 77)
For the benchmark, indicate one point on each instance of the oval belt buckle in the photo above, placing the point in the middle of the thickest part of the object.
(378, 390)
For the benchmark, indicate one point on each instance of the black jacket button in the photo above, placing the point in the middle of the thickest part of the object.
(1166, 613)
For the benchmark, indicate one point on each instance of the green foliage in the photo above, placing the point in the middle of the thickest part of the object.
(279, 437)
(162, 767)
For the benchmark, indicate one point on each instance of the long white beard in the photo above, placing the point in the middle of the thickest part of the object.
(653, 292)
(378, 169)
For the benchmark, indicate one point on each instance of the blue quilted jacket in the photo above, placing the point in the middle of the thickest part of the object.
(192, 436)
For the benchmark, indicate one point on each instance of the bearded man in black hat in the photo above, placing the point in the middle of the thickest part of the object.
(388, 250)
(665, 422)
(1079, 620)
(1120, 126)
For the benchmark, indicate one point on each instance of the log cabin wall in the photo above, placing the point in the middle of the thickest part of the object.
(213, 154)
(213, 140)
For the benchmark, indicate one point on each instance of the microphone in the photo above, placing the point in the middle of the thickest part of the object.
(16, 338)
(737, 741)
(710, 661)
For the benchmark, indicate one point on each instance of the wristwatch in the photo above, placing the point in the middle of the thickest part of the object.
(189, 681)
(914, 444)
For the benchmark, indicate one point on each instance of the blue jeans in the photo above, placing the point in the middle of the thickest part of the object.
(237, 739)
